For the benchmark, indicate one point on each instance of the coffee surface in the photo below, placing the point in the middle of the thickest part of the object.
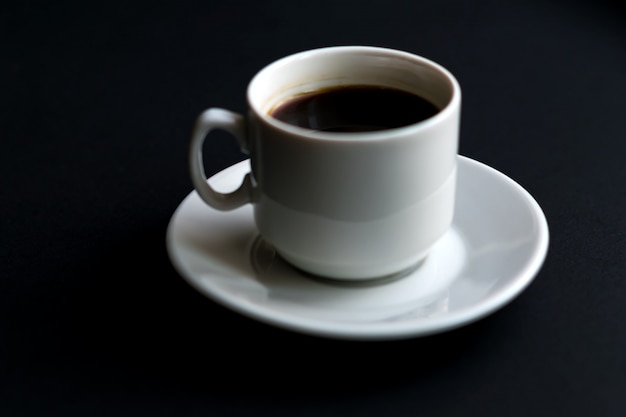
(355, 108)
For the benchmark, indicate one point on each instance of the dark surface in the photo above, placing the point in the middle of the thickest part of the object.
(96, 108)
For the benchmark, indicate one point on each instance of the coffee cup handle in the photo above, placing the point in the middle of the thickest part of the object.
(234, 124)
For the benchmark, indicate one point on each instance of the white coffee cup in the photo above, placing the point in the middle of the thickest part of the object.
(349, 206)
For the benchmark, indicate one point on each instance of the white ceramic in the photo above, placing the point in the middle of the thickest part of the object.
(350, 206)
(494, 248)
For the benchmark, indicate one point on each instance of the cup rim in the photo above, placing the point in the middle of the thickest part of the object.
(443, 113)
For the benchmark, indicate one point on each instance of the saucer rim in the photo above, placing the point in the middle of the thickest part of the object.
(382, 330)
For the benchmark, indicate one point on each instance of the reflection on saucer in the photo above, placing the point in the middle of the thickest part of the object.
(420, 291)
(263, 255)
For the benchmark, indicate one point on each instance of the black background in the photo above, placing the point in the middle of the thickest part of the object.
(97, 101)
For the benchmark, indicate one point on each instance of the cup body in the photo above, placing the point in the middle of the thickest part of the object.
(353, 206)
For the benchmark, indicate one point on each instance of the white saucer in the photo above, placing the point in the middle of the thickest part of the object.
(497, 243)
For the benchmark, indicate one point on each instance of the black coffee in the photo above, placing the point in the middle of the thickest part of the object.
(356, 108)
